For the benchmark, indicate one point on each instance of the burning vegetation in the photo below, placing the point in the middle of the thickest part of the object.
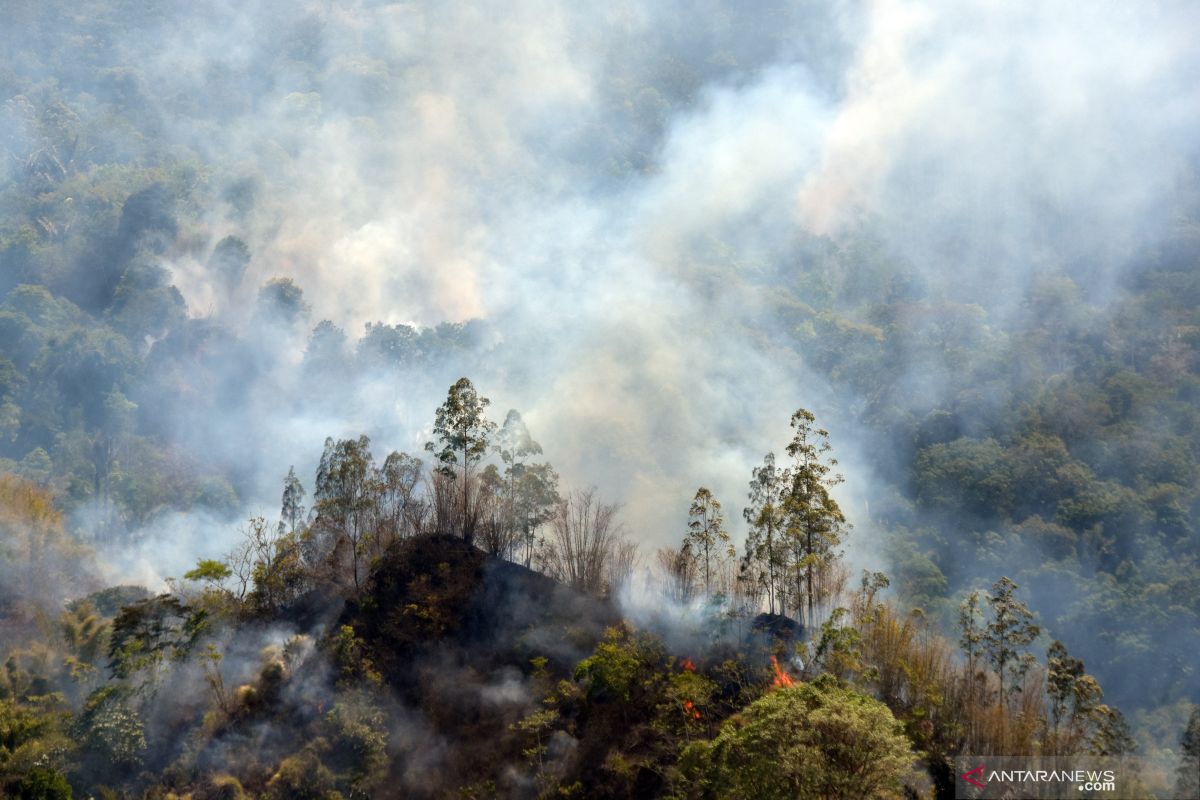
(230, 230)
(419, 631)
(781, 679)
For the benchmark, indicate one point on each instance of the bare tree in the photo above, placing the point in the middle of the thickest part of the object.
(444, 503)
(677, 572)
(622, 563)
(587, 548)
(495, 530)
(400, 508)
(266, 565)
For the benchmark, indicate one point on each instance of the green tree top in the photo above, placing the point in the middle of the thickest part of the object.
(813, 740)
(1007, 636)
(706, 536)
(463, 431)
(815, 522)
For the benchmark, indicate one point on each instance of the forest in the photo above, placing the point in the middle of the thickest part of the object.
(527, 401)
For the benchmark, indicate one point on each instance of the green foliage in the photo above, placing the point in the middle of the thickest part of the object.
(763, 567)
(463, 431)
(358, 737)
(209, 570)
(110, 733)
(32, 731)
(1062, 426)
(812, 740)
(345, 498)
(268, 566)
(302, 777)
(111, 600)
(149, 632)
(529, 492)
(1010, 630)
(352, 659)
(292, 502)
(707, 538)
(85, 634)
(145, 303)
(966, 474)
(42, 783)
(618, 668)
(814, 522)
(837, 650)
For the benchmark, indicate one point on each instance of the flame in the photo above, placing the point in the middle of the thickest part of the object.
(781, 677)
(687, 666)
(690, 709)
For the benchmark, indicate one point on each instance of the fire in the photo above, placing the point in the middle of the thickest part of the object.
(687, 666)
(690, 709)
(781, 677)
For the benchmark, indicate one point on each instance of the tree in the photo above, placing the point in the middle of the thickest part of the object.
(514, 444)
(1112, 736)
(678, 569)
(1009, 632)
(587, 549)
(267, 566)
(401, 510)
(706, 536)
(1187, 774)
(1074, 696)
(37, 556)
(291, 507)
(85, 633)
(110, 733)
(537, 499)
(145, 304)
(149, 632)
(971, 634)
(326, 357)
(762, 563)
(388, 346)
(301, 776)
(463, 434)
(813, 740)
(228, 262)
(495, 527)
(815, 522)
(281, 301)
(109, 445)
(42, 783)
(345, 496)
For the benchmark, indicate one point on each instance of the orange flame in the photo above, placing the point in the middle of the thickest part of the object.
(781, 677)
(687, 666)
(690, 709)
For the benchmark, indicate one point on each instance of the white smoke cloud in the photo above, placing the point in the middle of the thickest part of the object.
(613, 189)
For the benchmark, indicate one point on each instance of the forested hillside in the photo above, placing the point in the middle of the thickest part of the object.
(402, 400)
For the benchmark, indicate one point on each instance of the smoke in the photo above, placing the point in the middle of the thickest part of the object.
(996, 140)
(537, 168)
(612, 196)
(527, 168)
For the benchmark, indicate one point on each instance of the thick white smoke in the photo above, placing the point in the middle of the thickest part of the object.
(614, 189)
